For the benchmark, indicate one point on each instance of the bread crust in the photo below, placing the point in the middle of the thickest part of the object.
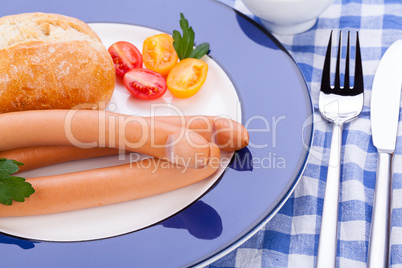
(52, 62)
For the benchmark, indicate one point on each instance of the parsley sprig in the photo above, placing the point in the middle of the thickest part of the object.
(12, 187)
(184, 44)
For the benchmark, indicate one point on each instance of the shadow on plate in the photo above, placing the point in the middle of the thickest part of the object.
(258, 34)
(242, 160)
(200, 220)
(22, 243)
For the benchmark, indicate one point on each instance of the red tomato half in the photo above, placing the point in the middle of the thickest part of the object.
(125, 57)
(145, 84)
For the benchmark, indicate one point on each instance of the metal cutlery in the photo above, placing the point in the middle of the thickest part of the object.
(338, 105)
(384, 113)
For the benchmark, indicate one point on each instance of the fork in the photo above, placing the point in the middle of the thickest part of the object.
(337, 105)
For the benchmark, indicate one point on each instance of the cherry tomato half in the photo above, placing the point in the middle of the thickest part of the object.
(145, 84)
(125, 57)
(187, 77)
(159, 54)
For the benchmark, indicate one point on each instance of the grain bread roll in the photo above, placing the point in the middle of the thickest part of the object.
(51, 61)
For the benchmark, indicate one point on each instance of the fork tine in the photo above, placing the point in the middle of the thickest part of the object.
(338, 63)
(359, 85)
(326, 71)
(347, 74)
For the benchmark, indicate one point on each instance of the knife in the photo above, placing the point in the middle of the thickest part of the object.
(385, 100)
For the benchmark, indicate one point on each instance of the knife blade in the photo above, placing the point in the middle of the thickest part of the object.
(384, 113)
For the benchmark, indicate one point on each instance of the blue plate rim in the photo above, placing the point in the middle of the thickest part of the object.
(259, 226)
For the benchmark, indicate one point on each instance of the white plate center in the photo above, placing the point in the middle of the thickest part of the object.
(217, 97)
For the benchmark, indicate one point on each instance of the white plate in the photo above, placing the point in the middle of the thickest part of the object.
(217, 97)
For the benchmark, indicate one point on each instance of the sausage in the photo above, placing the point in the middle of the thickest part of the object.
(98, 187)
(36, 157)
(86, 129)
(227, 134)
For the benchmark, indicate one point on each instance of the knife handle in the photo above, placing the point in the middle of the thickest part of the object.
(378, 254)
(327, 246)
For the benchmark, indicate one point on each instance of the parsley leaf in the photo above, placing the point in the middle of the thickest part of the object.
(8, 166)
(199, 51)
(184, 44)
(11, 187)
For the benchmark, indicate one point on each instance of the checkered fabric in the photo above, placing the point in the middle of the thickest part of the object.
(291, 238)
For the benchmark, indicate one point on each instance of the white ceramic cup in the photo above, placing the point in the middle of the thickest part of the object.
(287, 16)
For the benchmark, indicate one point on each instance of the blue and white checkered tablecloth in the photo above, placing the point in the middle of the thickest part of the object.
(291, 238)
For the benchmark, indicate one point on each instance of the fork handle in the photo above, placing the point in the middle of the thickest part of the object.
(380, 223)
(327, 246)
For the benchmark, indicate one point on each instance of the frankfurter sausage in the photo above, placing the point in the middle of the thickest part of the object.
(86, 128)
(36, 157)
(226, 133)
(109, 185)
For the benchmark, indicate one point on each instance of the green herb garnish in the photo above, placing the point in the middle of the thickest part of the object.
(184, 44)
(12, 187)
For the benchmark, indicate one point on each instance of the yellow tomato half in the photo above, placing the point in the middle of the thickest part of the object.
(187, 77)
(159, 54)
